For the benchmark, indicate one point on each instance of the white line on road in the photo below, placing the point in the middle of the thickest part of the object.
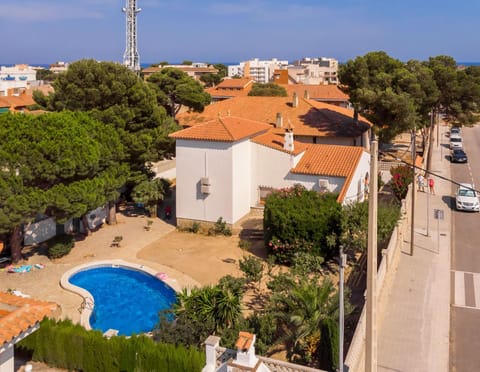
(459, 288)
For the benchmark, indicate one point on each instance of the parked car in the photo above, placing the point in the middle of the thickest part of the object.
(454, 130)
(458, 156)
(466, 198)
(456, 142)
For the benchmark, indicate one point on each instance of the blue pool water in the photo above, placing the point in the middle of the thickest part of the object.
(125, 299)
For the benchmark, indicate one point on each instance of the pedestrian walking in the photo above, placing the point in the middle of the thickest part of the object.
(421, 182)
(431, 185)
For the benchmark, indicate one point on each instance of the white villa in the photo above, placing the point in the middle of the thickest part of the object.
(228, 165)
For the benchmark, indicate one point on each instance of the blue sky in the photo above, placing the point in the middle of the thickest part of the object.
(45, 31)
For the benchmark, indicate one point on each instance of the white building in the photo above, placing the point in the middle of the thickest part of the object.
(315, 71)
(15, 79)
(228, 165)
(259, 71)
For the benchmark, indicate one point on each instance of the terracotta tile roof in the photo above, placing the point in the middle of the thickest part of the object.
(21, 101)
(223, 129)
(231, 88)
(331, 161)
(309, 118)
(276, 141)
(4, 102)
(244, 341)
(17, 314)
(317, 92)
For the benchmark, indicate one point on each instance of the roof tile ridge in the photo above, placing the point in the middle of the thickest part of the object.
(232, 137)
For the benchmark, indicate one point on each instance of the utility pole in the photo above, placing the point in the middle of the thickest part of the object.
(414, 190)
(371, 323)
(343, 260)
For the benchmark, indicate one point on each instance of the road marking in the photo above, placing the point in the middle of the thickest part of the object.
(476, 287)
(460, 295)
(459, 288)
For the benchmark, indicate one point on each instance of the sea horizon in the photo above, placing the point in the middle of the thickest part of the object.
(147, 64)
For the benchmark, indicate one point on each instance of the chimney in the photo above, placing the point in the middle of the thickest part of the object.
(288, 144)
(211, 344)
(355, 117)
(279, 121)
(306, 95)
(295, 100)
(246, 350)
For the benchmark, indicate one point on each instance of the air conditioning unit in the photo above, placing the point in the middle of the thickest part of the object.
(323, 185)
(205, 186)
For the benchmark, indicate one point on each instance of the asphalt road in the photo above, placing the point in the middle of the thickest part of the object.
(465, 270)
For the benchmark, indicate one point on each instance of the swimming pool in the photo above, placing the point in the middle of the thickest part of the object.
(126, 299)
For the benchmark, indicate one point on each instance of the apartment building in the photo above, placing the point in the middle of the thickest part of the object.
(314, 71)
(15, 79)
(259, 71)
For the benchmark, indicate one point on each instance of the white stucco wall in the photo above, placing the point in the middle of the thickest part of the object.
(241, 179)
(356, 189)
(270, 169)
(343, 141)
(197, 159)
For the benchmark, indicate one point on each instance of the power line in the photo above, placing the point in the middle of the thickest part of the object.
(426, 171)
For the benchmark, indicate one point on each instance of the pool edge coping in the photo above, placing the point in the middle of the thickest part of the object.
(88, 302)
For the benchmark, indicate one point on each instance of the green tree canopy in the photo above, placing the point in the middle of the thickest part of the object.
(211, 80)
(378, 88)
(58, 164)
(176, 89)
(268, 90)
(117, 97)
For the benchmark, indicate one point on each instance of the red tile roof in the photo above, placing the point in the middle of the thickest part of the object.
(231, 88)
(223, 129)
(18, 314)
(328, 93)
(235, 83)
(331, 161)
(17, 102)
(276, 141)
(309, 118)
(244, 341)
(4, 102)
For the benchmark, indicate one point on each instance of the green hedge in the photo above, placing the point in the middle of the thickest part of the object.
(63, 344)
(300, 220)
(60, 246)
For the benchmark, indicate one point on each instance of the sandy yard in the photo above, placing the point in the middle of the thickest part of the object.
(190, 259)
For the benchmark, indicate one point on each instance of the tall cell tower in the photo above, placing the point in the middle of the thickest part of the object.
(130, 57)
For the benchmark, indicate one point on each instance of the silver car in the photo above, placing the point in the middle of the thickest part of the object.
(467, 198)
(456, 142)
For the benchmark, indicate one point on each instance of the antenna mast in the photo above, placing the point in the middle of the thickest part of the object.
(130, 57)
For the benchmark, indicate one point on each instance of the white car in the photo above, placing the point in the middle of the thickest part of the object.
(456, 142)
(466, 198)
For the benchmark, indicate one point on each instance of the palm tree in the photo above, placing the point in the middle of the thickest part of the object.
(301, 311)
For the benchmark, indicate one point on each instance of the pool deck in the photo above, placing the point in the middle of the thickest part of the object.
(44, 283)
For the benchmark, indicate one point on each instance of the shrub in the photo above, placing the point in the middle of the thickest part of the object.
(252, 267)
(195, 228)
(220, 228)
(244, 244)
(60, 246)
(296, 219)
(402, 176)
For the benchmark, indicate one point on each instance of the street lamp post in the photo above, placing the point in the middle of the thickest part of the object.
(343, 260)
(371, 301)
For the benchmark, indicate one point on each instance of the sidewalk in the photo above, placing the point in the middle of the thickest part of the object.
(414, 320)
